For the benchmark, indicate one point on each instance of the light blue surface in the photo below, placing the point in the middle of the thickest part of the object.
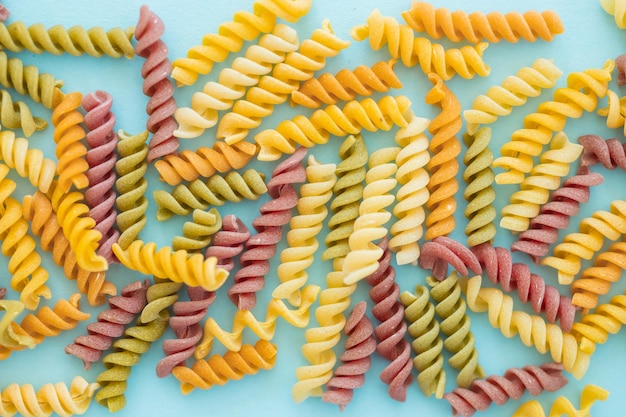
(590, 38)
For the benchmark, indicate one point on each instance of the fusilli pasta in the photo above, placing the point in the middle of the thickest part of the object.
(17, 115)
(594, 328)
(197, 233)
(28, 163)
(616, 8)
(564, 407)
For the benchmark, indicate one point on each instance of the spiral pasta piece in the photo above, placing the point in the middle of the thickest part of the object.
(233, 82)
(28, 276)
(197, 233)
(28, 163)
(131, 186)
(230, 36)
(616, 8)
(228, 242)
(304, 228)
(611, 153)
(564, 347)
(317, 129)
(555, 215)
(567, 255)
(455, 325)
(261, 247)
(531, 288)
(156, 84)
(219, 369)
(443, 166)
(276, 88)
(413, 193)
(204, 162)
(401, 42)
(101, 157)
(475, 27)
(26, 80)
(362, 259)
(178, 266)
(427, 344)
(123, 309)
(441, 251)
(44, 223)
(356, 359)
(9, 339)
(499, 389)
(50, 398)
(390, 332)
(545, 177)
(594, 328)
(346, 85)
(583, 90)
(513, 92)
(17, 115)
(616, 107)
(216, 191)
(76, 40)
(126, 353)
(564, 407)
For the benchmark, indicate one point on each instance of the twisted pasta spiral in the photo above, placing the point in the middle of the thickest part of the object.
(261, 247)
(443, 166)
(594, 328)
(233, 82)
(401, 42)
(413, 193)
(477, 26)
(228, 242)
(582, 93)
(589, 240)
(617, 8)
(555, 215)
(544, 177)
(156, 84)
(216, 191)
(17, 115)
(362, 259)
(303, 231)
(204, 162)
(197, 233)
(70, 151)
(9, 338)
(27, 275)
(455, 324)
(513, 92)
(318, 128)
(276, 88)
(232, 366)
(441, 251)
(611, 153)
(76, 40)
(122, 310)
(50, 398)
(230, 36)
(424, 329)
(532, 330)
(616, 108)
(131, 186)
(178, 266)
(562, 406)
(26, 80)
(390, 332)
(28, 163)
(346, 85)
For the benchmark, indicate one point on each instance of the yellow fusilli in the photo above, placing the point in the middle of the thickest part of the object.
(28, 163)
(17, 115)
(564, 407)
(616, 8)
(594, 328)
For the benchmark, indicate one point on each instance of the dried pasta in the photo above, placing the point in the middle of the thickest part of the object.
(17, 115)
(216, 191)
(276, 88)
(535, 189)
(474, 27)
(532, 330)
(197, 233)
(567, 255)
(156, 84)
(594, 328)
(608, 152)
(28, 163)
(228, 242)
(9, 339)
(56, 40)
(230, 36)
(455, 325)
(50, 398)
(317, 129)
(513, 92)
(564, 407)
(346, 85)
(441, 251)
(401, 42)
(204, 162)
(413, 194)
(443, 166)
(583, 90)
(427, 344)
(245, 72)
(616, 8)
(616, 107)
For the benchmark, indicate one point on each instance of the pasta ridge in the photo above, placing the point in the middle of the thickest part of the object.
(594, 328)
(17, 115)
(197, 234)
(228, 242)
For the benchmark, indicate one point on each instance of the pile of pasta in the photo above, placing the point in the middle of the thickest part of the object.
(368, 216)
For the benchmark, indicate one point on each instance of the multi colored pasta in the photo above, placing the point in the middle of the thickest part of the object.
(197, 233)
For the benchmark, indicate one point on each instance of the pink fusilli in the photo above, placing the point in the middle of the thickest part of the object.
(228, 242)
(611, 153)
(443, 251)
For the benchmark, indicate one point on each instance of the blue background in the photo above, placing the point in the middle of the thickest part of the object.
(590, 38)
